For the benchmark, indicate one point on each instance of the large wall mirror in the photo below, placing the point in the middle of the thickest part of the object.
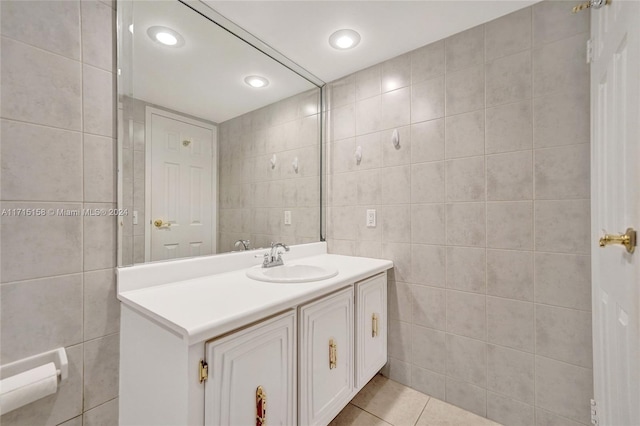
(219, 145)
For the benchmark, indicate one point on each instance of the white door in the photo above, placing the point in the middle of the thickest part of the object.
(326, 358)
(180, 180)
(252, 376)
(615, 106)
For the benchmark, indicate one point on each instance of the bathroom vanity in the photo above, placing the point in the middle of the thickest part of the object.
(204, 344)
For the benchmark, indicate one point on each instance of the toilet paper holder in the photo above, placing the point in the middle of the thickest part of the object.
(57, 356)
(30, 379)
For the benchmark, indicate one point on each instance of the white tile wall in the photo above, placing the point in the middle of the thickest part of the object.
(489, 310)
(58, 152)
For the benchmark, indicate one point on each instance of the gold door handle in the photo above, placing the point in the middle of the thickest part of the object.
(628, 240)
(261, 406)
(333, 354)
(158, 223)
(581, 6)
(374, 325)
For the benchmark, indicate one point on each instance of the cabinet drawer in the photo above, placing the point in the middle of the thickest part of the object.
(371, 327)
(325, 357)
(260, 356)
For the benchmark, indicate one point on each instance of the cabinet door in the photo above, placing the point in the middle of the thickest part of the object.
(326, 357)
(260, 356)
(371, 327)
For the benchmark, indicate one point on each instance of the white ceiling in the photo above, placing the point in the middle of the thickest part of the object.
(300, 30)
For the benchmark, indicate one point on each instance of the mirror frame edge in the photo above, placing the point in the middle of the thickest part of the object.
(214, 16)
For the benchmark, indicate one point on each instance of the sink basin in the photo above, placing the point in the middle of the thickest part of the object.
(292, 273)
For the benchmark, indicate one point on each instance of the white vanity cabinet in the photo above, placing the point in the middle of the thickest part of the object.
(252, 375)
(371, 327)
(326, 344)
(209, 349)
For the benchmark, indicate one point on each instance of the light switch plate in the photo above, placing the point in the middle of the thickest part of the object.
(371, 218)
(287, 217)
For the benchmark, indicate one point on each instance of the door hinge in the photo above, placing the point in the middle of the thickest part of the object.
(203, 371)
(594, 413)
(589, 51)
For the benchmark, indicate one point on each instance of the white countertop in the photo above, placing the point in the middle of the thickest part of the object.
(205, 307)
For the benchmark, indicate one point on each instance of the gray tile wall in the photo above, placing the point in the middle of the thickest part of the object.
(253, 194)
(484, 208)
(58, 152)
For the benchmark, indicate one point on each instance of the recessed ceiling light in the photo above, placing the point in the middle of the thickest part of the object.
(344, 39)
(166, 36)
(256, 81)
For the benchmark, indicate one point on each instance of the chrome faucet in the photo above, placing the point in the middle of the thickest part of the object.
(244, 243)
(274, 257)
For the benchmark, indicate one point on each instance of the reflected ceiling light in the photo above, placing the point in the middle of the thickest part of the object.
(344, 39)
(165, 36)
(256, 81)
(131, 28)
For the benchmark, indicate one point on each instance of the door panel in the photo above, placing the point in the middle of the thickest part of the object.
(615, 91)
(371, 349)
(181, 182)
(262, 355)
(325, 389)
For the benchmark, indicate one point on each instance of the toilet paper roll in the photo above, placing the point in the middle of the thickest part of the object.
(24, 388)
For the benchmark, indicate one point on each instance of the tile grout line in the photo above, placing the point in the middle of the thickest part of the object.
(82, 230)
(370, 413)
(486, 226)
(533, 207)
(411, 144)
(446, 228)
(423, 410)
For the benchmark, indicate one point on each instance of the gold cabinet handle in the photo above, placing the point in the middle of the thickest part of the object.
(374, 325)
(333, 354)
(261, 407)
(628, 240)
(158, 223)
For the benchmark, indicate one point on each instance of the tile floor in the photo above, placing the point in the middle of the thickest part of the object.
(384, 402)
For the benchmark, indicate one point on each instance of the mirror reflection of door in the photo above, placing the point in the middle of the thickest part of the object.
(180, 181)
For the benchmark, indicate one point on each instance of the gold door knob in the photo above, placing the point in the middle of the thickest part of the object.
(594, 4)
(158, 223)
(628, 240)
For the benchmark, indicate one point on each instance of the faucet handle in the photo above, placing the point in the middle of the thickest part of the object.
(266, 258)
(276, 255)
(244, 243)
(276, 245)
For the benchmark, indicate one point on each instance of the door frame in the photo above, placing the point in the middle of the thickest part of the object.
(149, 111)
